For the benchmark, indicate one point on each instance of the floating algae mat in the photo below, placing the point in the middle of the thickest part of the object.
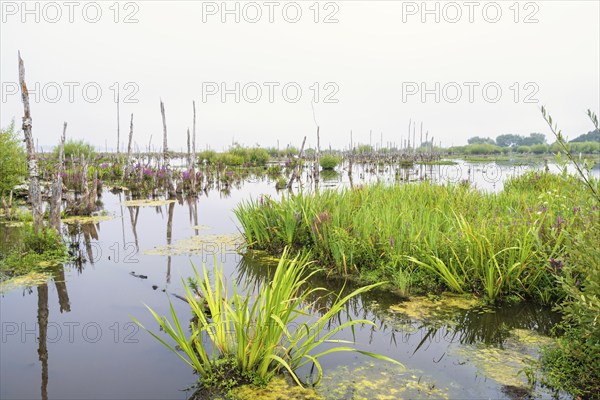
(423, 308)
(504, 363)
(28, 280)
(277, 389)
(378, 381)
(146, 203)
(83, 220)
(205, 244)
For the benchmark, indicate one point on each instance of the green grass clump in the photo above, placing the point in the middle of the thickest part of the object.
(423, 235)
(329, 161)
(36, 251)
(249, 335)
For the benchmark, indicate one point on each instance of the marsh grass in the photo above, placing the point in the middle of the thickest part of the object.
(270, 330)
(491, 244)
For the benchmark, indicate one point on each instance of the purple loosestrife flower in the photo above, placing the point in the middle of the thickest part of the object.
(556, 265)
(391, 241)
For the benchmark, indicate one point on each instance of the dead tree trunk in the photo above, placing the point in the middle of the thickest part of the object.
(298, 166)
(56, 201)
(317, 166)
(166, 161)
(35, 196)
(128, 164)
(118, 125)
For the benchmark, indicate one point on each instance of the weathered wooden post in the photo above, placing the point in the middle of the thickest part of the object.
(166, 161)
(35, 196)
(56, 201)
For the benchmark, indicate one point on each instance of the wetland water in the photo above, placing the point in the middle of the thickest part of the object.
(92, 350)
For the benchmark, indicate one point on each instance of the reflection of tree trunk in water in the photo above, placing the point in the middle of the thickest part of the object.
(122, 220)
(169, 235)
(61, 289)
(43, 326)
(196, 216)
(89, 232)
(134, 224)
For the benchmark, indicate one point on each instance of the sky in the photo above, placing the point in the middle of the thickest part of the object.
(269, 72)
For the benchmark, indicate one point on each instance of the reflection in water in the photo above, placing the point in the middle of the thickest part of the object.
(169, 237)
(42, 317)
(487, 325)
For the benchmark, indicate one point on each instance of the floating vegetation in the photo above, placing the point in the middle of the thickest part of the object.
(503, 364)
(14, 224)
(205, 244)
(424, 308)
(33, 278)
(201, 227)
(90, 219)
(147, 203)
(373, 381)
(278, 388)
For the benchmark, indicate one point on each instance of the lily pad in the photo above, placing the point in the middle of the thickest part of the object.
(147, 203)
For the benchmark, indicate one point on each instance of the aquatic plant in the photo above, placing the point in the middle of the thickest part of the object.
(492, 245)
(262, 333)
(329, 161)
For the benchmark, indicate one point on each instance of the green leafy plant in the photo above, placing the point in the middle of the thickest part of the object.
(253, 329)
(13, 160)
(329, 161)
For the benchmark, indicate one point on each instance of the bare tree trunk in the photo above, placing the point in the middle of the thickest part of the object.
(118, 125)
(297, 169)
(189, 151)
(317, 166)
(56, 200)
(166, 161)
(128, 164)
(35, 196)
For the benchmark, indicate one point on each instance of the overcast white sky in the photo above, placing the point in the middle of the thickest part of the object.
(372, 61)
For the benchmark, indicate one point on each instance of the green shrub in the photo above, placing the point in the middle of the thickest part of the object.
(210, 156)
(36, 252)
(13, 159)
(329, 161)
(76, 149)
(482, 148)
(258, 157)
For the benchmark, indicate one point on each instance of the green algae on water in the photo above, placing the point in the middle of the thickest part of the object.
(503, 364)
(31, 279)
(423, 308)
(372, 381)
(205, 244)
(147, 203)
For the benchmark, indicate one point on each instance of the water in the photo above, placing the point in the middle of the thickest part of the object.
(92, 350)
